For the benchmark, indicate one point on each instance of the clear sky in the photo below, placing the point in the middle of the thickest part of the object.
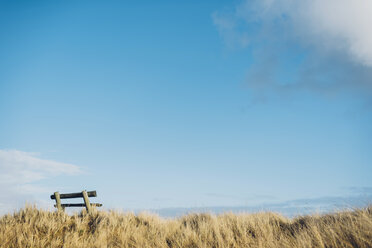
(159, 104)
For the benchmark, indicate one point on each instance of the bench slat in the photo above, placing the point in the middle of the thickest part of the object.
(75, 195)
(79, 205)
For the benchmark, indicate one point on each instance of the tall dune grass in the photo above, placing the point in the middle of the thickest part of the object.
(31, 227)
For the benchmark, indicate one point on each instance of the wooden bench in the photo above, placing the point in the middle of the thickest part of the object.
(84, 194)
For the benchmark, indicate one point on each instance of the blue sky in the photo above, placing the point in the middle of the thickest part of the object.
(160, 105)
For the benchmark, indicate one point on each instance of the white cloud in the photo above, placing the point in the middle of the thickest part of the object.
(20, 173)
(342, 25)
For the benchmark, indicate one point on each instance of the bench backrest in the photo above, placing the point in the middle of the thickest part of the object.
(84, 194)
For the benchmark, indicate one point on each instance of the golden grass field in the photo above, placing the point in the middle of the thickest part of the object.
(31, 227)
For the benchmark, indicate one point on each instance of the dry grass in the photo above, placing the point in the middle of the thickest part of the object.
(31, 227)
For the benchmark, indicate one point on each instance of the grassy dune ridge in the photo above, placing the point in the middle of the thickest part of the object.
(31, 227)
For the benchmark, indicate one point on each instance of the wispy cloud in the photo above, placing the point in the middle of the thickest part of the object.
(321, 45)
(228, 28)
(342, 25)
(20, 173)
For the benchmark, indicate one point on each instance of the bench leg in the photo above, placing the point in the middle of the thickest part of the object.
(58, 201)
(86, 201)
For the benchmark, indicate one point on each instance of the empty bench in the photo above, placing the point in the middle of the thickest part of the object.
(84, 194)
